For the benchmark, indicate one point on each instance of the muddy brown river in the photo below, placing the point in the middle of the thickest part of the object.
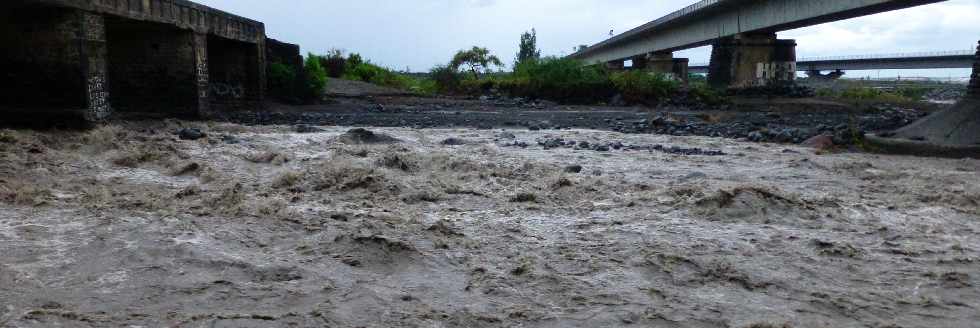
(128, 226)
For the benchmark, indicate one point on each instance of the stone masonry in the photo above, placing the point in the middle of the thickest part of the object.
(88, 58)
(752, 60)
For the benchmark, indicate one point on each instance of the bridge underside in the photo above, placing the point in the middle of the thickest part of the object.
(89, 59)
(704, 23)
(734, 28)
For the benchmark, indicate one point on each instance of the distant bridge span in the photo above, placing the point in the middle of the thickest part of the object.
(919, 60)
(745, 49)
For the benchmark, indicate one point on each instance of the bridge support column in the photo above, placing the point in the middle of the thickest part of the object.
(660, 62)
(95, 57)
(680, 69)
(640, 62)
(201, 75)
(616, 65)
(973, 93)
(751, 60)
(665, 63)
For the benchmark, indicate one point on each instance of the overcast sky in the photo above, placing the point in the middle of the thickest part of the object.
(418, 34)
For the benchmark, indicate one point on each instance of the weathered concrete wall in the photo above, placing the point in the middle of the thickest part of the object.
(660, 62)
(39, 69)
(152, 67)
(54, 62)
(749, 60)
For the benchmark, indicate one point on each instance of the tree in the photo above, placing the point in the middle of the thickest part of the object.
(477, 60)
(528, 48)
(581, 48)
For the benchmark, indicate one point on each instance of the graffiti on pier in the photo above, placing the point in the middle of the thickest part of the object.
(98, 97)
(202, 77)
(236, 91)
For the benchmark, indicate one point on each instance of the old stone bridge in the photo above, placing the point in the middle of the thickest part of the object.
(90, 58)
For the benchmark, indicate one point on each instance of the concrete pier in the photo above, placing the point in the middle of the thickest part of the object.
(616, 65)
(752, 60)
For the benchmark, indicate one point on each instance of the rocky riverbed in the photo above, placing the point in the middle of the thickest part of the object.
(148, 224)
(791, 121)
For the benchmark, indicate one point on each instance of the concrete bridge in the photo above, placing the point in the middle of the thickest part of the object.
(89, 58)
(745, 49)
(921, 60)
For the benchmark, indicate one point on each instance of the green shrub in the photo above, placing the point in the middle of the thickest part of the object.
(702, 93)
(364, 72)
(334, 63)
(354, 60)
(642, 87)
(560, 79)
(913, 93)
(446, 79)
(871, 94)
(316, 77)
(281, 76)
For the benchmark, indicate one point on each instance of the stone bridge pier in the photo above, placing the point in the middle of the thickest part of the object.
(88, 59)
(752, 60)
(665, 63)
(657, 62)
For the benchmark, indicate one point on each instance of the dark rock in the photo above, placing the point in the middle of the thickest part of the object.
(231, 140)
(453, 142)
(305, 128)
(190, 134)
(506, 135)
(820, 142)
(617, 101)
(573, 169)
(363, 136)
(187, 169)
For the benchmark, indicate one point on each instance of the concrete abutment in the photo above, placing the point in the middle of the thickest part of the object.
(752, 60)
(56, 62)
(85, 60)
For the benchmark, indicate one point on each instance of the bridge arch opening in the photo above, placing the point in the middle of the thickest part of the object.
(151, 67)
(43, 61)
(234, 69)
